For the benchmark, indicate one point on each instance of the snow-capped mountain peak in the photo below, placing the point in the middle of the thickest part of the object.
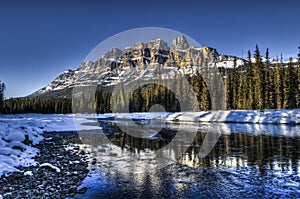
(139, 61)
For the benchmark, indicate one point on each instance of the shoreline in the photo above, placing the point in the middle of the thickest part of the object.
(58, 174)
(268, 116)
(275, 116)
(65, 173)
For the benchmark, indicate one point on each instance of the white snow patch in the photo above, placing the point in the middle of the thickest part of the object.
(50, 166)
(28, 173)
(15, 136)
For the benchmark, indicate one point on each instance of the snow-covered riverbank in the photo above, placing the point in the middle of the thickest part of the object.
(19, 132)
(284, 116)
(242, 116)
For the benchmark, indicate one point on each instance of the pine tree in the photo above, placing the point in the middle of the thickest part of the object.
(235, 85)
(243, 90)
(2, 88)
(278, 86)
(229, 89)
(247, 94)
(298, 81)
(289, 86)
(269, 82)
(259, 76)
(297, 95)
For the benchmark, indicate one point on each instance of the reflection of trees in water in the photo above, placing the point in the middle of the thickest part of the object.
(236, 150)
(161, 139)
(256, 156)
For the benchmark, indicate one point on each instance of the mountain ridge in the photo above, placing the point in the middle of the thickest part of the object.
(140, 60)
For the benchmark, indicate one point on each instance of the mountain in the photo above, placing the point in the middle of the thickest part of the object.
(139, 61)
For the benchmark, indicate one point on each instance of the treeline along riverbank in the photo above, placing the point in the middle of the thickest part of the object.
(258, 84)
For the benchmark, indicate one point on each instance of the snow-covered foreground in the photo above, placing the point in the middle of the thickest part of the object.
(18, 131)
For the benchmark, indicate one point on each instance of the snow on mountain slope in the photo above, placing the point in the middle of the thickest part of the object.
(142, 61)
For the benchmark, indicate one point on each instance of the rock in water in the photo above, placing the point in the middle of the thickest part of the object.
(82, 190)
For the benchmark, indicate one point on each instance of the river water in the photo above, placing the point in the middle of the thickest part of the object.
(192, 160)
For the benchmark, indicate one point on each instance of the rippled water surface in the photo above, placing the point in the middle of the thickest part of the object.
(241, 164)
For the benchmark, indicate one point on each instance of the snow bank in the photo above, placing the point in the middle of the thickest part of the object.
(252, 122)
(241, 116)
(284, 116)
(134, 116)
(15, 149)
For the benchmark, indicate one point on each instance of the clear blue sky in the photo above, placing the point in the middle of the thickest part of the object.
(40, 39)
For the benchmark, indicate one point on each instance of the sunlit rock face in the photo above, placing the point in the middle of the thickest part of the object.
(180, 43)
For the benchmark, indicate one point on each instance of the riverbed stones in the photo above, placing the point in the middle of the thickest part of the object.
(59, 150)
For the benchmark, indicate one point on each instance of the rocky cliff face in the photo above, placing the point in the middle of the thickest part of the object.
(180, 43)
(137, 61)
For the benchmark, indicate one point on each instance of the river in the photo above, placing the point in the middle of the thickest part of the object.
(191, 160)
